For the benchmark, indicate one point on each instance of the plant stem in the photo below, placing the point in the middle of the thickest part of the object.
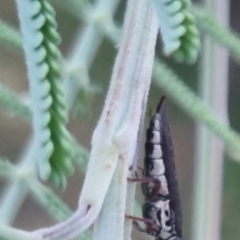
(85, 48)
(218, 31)
(15, 193)
(210, 150)
(136, 52)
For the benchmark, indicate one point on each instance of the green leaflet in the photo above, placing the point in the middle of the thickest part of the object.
(177, 26)
(38, 26)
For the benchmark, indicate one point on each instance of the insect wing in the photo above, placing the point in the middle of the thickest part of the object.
(159, 164)
(170, 169)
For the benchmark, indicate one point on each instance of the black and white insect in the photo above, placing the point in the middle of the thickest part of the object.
(161, 210)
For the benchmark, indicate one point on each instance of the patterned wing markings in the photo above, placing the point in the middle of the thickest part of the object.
(162, 201)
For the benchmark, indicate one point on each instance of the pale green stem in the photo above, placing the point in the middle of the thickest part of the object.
(220, 33)
(140, 31)
(10, 37)
(210, 150)
(9, 233)
(203, 147)
(76, 8)
(85, 48)
(15, 193)
(52, 203)
(192, 104)
(6, 169)
(13, 104)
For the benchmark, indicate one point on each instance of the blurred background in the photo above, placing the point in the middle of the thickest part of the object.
(14, 132)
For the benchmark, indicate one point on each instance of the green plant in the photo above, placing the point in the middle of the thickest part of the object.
(57, 84)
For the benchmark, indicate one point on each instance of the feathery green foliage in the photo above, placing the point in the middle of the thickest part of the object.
(38, 27)
(177, 26)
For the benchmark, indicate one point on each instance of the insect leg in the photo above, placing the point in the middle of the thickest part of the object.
(145, 180)
(136, 221)
(156, 189)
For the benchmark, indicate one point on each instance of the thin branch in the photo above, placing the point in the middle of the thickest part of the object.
(142, 43)
(210, 150)
(10, 37)
(11, 102)
(15, 234)
(221, 34)
(194, 106)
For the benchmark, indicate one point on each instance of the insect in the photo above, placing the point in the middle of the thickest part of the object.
(161, 210)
